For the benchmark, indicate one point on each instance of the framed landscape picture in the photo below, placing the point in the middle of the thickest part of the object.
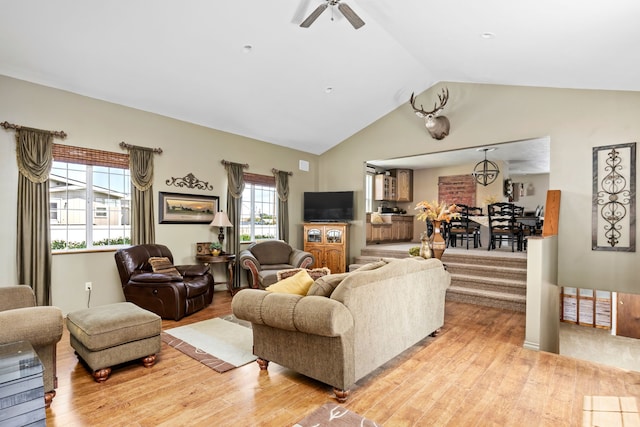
(176, 208)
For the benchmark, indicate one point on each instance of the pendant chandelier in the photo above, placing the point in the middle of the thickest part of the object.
(485, 172)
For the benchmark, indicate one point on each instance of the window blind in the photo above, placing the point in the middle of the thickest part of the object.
(90, 156)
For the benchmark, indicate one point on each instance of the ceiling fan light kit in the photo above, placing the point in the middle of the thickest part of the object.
(344, 8)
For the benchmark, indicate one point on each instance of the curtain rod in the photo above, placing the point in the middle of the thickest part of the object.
(274, 171)
(226, 163)
(155, 150)
(7, 125)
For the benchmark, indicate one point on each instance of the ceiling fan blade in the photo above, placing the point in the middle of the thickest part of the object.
(350, 15)
(314, 15)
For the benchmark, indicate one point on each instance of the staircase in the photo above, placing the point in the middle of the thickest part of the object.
(477, 277)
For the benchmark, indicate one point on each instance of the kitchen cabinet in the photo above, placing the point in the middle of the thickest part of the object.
(404, 184)
(395, 228)
(328, 243)
(384, 188)
(395, 187)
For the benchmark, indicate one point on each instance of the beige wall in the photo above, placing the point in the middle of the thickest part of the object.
(97, 124)
(535, 190)
(574, 120)
(425, 187)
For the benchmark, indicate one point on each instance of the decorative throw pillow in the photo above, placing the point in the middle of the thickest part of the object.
(314, 273)
(325, 285)
(298, 284)
(163, 265)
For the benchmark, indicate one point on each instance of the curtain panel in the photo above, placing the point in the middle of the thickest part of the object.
(142, 214)
(282, 188)
(34, 153)
(235, 187)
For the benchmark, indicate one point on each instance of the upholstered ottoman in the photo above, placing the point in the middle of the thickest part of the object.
(111, 334)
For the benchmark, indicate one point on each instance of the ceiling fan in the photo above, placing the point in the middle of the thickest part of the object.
(342, 7)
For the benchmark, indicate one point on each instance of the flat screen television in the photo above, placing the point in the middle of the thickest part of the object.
(333, 206)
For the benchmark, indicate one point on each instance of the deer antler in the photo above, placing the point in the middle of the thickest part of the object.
(442, 98)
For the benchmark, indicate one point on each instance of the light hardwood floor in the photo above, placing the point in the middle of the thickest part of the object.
(475, 373)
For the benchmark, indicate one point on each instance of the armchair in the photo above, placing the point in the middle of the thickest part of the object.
(170, 296)
(263, 260)
(41, 326)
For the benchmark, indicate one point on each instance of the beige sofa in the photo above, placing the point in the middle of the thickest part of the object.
(374, 314)
(41, 326)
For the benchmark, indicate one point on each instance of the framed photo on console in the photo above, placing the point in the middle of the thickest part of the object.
(176, 208)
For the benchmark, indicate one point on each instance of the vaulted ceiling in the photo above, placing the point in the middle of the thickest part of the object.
(247, 67)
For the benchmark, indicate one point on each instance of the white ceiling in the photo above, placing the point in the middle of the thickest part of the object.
(188, 60)
(530, 156)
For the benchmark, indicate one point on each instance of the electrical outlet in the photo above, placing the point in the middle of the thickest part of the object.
(87, 286)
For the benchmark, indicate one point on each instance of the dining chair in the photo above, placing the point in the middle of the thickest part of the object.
(475, 226)
(503, 226)
(531, 226)
(464, 228)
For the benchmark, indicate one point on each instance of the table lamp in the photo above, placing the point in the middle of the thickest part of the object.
(221, 220)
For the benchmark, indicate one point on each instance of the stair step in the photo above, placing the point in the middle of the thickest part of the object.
(488, 279)
(489, 260)
(513, 273)
(487, 298)
(488, 283)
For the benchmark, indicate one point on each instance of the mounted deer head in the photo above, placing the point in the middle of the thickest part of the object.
(437, 126)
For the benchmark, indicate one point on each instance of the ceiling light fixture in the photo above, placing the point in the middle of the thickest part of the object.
(487, 35)
(485, 172)
(247, 48)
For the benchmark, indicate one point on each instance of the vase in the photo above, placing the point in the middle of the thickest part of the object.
(438, 245)
(425, 248)
(215, 252)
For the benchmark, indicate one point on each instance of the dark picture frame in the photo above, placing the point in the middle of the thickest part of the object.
(177, 208)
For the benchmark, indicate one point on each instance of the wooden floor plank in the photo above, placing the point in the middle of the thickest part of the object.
(476, 372)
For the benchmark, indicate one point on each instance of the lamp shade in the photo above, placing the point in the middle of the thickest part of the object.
(221, 220)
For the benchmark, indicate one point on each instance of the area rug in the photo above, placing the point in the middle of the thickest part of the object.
(333, 415)
(217, 343)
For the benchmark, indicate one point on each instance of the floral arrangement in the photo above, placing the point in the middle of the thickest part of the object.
(491, 199)
(435, 211)
(216, 248)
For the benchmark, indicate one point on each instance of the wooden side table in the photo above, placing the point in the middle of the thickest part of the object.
(228, 259)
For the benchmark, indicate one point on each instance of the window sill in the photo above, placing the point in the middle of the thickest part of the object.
(85, 251)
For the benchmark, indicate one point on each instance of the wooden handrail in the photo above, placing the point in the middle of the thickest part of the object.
(551, 213)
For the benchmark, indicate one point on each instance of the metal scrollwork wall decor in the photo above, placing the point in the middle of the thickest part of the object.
(614, 198)
(189, 181)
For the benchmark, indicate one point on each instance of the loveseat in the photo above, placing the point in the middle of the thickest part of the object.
(347, 324)
(263, 260)
(169, 291)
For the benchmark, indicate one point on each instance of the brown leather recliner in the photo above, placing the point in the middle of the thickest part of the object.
(169, 296)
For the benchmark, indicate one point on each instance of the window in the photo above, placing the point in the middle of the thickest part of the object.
(368, 192)
(90, 199)
(258, 219)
